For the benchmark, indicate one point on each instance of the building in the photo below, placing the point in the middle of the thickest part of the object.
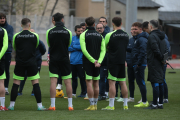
(147, 9)
(171, 24)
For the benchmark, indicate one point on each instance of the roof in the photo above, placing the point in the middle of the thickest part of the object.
(167, 15)
(174, 25)
(144, 3)
(168, 5)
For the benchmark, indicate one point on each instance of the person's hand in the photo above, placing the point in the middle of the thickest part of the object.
(167, 61)
(48, 58)
(97, 64)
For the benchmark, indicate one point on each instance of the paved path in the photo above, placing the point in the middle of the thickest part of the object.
(174, 63)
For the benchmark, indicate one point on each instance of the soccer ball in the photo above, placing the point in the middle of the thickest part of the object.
(59, 93)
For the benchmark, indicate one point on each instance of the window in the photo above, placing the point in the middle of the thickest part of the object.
(118, 12)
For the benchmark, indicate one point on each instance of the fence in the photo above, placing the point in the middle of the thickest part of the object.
(41, 24)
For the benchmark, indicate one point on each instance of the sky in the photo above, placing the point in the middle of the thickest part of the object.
(168, 5)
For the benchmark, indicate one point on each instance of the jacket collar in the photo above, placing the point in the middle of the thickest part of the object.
(59, 24)
(90, 28)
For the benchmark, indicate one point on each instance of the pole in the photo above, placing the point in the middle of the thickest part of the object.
(131, 14)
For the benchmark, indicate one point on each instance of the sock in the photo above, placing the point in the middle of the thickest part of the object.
(12, 103)
(69, 102)
(154, 105)
(6, 89)
(95, 101)
(58, 86)
(160, 104)
(39, 105)
(111, 102)
(2, 99)
(106, 93)
(91, 100)
(37, 92)
(53, 102)
(131, 98)
(144, 102)
(73, 94)
(158, 100)
(125, 101)
(14, 92)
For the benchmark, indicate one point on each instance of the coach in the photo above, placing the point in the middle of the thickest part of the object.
(9, 29)
(156, 48)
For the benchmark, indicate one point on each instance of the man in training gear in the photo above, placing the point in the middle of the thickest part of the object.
(116, 42)
(25, 44)
(4, 24)
(3, 48)
(139, 60)
(76, 63)
(93, 48)
(59, 39)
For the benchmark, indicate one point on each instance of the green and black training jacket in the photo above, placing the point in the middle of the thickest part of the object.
(59, 39)
(92, 45)
(116, 42)
(3, 42)
(25, 44)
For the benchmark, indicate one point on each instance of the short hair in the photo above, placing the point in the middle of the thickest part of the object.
(103, 18)
(145, 25)
(90, 21)
(76, 27)
(82, 24)
(101, 24)
(137, 24)
(117, 21)
(25, 21)
(154, 23)
(160, 28)
(58, 17)
(2, 15)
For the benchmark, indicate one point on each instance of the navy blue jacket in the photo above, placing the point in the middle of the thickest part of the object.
(106, 29)
(76, 52)
(40, 50)
(10, 31)
(128, 53)
(138, 53)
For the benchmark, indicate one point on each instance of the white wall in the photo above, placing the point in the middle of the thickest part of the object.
(147, 14)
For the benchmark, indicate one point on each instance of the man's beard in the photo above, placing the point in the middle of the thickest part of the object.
(77, 35)
(2, 25)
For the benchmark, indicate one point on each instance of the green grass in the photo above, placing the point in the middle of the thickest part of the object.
(25, 106)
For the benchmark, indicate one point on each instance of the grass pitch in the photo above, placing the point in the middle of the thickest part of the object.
(26, 108)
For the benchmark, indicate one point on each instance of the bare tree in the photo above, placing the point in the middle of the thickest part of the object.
(24, 7)
(43, 12)
(52, 12)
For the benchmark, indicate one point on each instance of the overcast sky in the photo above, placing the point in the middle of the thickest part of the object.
(168, 5)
